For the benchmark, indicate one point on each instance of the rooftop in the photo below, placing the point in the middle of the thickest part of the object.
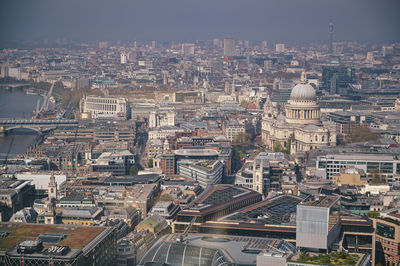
(76, 237)
(207, 249)
(196, 152)
(360, 156)
(216, 196)
(326, 201)
(278, 210)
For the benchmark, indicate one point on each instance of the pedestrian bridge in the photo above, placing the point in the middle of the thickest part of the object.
(36, 125)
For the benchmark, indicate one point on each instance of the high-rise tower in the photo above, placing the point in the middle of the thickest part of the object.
(330, 38)
(229, 47)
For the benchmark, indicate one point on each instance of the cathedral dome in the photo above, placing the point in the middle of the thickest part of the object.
(303, 92)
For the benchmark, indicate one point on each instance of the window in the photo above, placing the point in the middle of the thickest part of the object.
(385, 230)
(387, 167)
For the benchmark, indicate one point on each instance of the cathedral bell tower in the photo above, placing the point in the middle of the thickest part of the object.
(52, 188)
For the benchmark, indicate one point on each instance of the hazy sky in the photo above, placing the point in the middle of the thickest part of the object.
(189, 20)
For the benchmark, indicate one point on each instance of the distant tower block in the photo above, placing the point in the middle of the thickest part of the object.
(124, 58)
(331, 38)
(229, 47)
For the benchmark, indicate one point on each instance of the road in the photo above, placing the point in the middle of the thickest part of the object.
(140, 146)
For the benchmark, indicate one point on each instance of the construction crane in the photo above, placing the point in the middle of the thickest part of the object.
(183, 236)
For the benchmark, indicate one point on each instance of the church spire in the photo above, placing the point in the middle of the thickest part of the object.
(52, 188)
(303, 79)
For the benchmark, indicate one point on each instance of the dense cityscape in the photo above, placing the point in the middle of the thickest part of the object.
(212, 152)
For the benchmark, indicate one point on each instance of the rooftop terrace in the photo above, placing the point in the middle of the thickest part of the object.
(76, 237)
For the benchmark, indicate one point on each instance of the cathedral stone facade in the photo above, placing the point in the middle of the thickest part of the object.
(301, 128)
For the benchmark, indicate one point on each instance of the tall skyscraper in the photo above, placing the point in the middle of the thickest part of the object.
(124, 58)
(217, 43)
(264, 45)
(280, 47)
(229, 47)
(330, 38)
(187, 49)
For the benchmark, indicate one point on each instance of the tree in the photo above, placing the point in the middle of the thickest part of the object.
(244, 103)
(360, 134)
(133, 170)
(288, 146)
(150, 163)
(373, 214)
(376, 176)
(242, 139)
(277, 146)
(71, 116)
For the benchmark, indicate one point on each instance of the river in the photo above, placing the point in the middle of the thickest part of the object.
(17, 104)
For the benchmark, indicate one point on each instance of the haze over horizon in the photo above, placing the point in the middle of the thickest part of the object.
(290, 21)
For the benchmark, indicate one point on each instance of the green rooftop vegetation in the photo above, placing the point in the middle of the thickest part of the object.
(80, 237)
(77, 237)
(21, 233)
(333, 258)
(207, 164)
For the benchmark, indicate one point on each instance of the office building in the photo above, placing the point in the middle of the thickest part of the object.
(124, 58)
(187, 49)
(161, 119)
(335, 79)
(386, 165)
(229, 47)
(166, 209)
(318, 223)
(265, 172)
(264, 45)
(387, 238)
(118, 163)
(104, 106)
(170, 159)
(57, 245)
(216, 201)
(204, 172)
(14, 196)
(280, 48)
(233, 129)
(81, 215)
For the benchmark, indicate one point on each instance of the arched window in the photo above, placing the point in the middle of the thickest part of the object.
(323, 138)
(316, 137)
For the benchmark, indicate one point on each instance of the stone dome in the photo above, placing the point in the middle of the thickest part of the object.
(303, 92)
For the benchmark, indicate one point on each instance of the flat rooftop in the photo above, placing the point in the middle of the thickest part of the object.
(359, 157)
(325, 202)
(76, 237)
(196, 152)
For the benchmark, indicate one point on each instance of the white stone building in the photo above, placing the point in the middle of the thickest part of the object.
(98, 106)
(301, 128)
